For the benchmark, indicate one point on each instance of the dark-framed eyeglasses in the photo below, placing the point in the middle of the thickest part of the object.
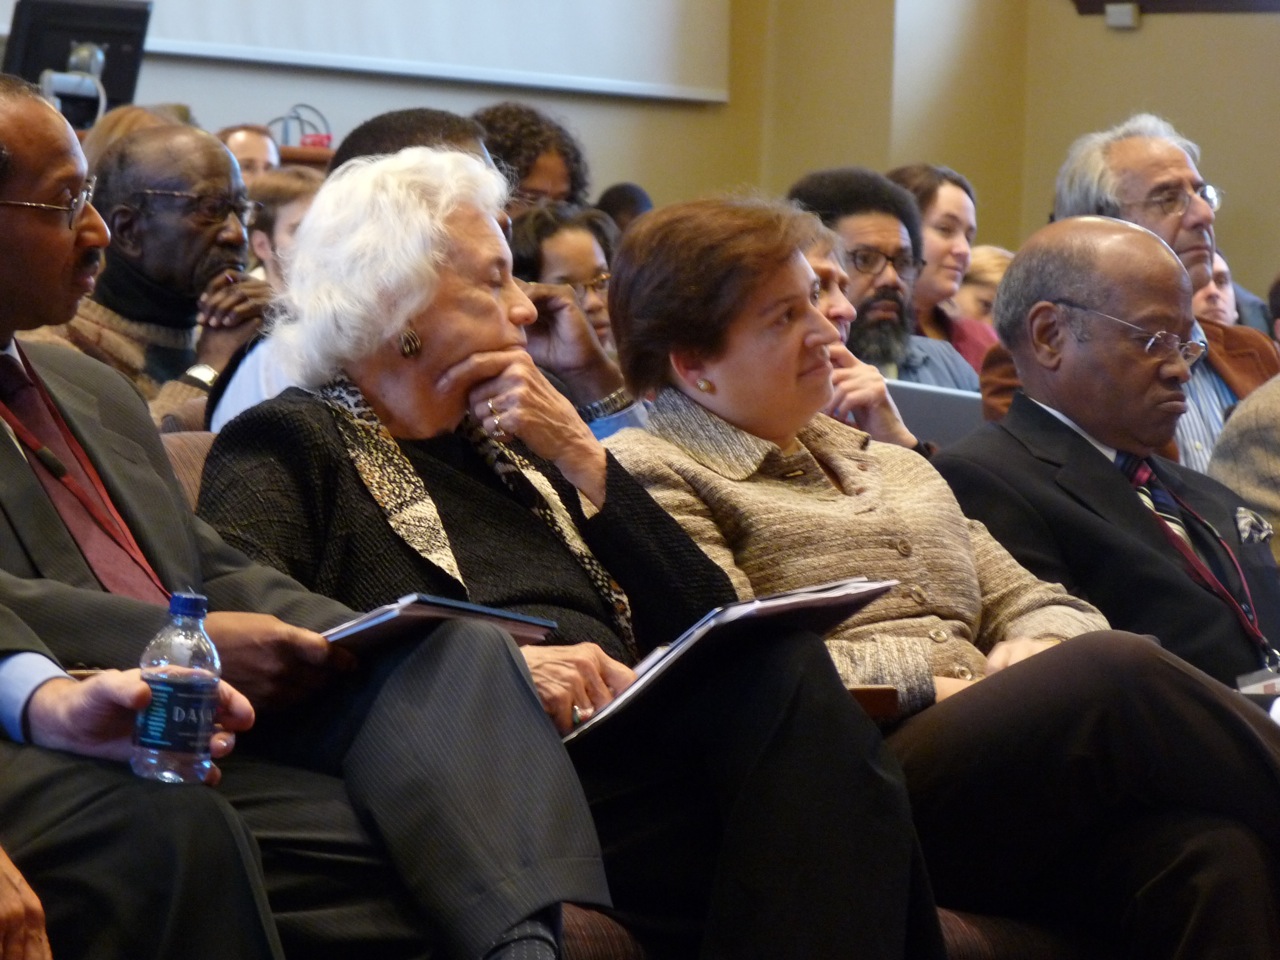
(1174, 201)
(871, 260)
(212, 207)
(1162, 345)
(599, 284)
(73, 210)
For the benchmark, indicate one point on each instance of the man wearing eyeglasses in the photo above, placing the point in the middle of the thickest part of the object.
(1144, 171)
(173, 301)
(879, 224)
(1097, 314)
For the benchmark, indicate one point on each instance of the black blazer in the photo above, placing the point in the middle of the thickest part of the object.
(45, 581)
(1070, 516)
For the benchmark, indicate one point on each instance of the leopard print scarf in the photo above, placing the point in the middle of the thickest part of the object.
(398, 490)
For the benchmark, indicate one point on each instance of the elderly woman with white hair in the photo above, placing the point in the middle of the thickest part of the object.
(427, 453)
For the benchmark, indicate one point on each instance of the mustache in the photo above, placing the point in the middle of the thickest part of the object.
(91, 260)
(884, 295)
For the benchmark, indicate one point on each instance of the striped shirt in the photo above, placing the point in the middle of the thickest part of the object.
(1208, 400)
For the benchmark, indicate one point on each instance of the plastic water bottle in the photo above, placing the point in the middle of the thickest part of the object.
(180, 665)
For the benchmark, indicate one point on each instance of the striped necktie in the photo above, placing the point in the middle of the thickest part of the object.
(1153, 493)
(1169, 510)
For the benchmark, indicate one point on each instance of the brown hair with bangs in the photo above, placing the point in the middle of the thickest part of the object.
(684, 271)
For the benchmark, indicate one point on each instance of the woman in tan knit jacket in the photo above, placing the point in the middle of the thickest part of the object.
(1084, 781)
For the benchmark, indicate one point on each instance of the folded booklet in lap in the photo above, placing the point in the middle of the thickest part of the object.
(814, 609)
(395, 621)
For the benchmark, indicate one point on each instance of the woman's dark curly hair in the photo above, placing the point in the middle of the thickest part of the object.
(517, 134)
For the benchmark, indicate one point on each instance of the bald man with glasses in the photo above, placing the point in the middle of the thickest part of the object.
(1097, 315)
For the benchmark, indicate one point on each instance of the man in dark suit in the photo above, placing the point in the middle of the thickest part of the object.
(94, 532)
(1144, 171)
(1097, 313)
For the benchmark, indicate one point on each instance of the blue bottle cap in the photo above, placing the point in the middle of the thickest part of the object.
(188, 605)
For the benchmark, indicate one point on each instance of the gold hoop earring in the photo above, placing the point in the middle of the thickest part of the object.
(410, 343)
(704, 385)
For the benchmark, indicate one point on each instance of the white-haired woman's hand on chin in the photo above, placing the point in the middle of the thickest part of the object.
(563, 342)
(861, 394)
(512, 399)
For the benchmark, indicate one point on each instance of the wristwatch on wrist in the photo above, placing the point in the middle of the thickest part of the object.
(615, 402)
(200, 375)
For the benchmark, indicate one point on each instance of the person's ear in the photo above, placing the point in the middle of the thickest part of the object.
(127, 229)
(260, 244)
(689, 371)
(1048, 330)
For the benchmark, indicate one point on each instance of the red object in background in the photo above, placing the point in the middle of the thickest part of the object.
(317, 140)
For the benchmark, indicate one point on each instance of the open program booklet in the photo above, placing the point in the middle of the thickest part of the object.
(816, 609)
(393, 621)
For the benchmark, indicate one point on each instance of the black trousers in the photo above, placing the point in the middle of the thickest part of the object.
(129, 869)
(427, 803)
(1109, 783)
(748, 808)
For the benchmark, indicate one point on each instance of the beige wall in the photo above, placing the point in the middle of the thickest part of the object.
(958, 99)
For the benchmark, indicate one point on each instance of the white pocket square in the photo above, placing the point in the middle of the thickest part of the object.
(1252, 527)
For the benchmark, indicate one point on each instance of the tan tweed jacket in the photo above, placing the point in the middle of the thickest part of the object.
(122, 344)
(1247, 455)
(776, 522)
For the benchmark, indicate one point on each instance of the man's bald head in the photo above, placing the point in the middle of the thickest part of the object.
(1060, 261)
(1096, 312)
(155, 157)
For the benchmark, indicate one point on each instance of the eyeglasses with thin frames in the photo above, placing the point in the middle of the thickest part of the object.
(1174, 201)
(598, 284)
(871, 260)
(213, 207)
(1162, 345)
(72, 210)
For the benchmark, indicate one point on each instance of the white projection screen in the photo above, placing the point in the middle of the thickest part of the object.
(674, 49)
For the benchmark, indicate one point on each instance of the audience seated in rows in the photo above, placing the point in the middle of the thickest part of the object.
(373, 842)
(430, 454)
(713, 308)
(564, 344)
(948, 225)
(1144, 171)
(879, 224)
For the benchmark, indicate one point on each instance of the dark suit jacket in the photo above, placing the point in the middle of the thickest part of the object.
(1070, 516)
(1244, 358)
(43, 577)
